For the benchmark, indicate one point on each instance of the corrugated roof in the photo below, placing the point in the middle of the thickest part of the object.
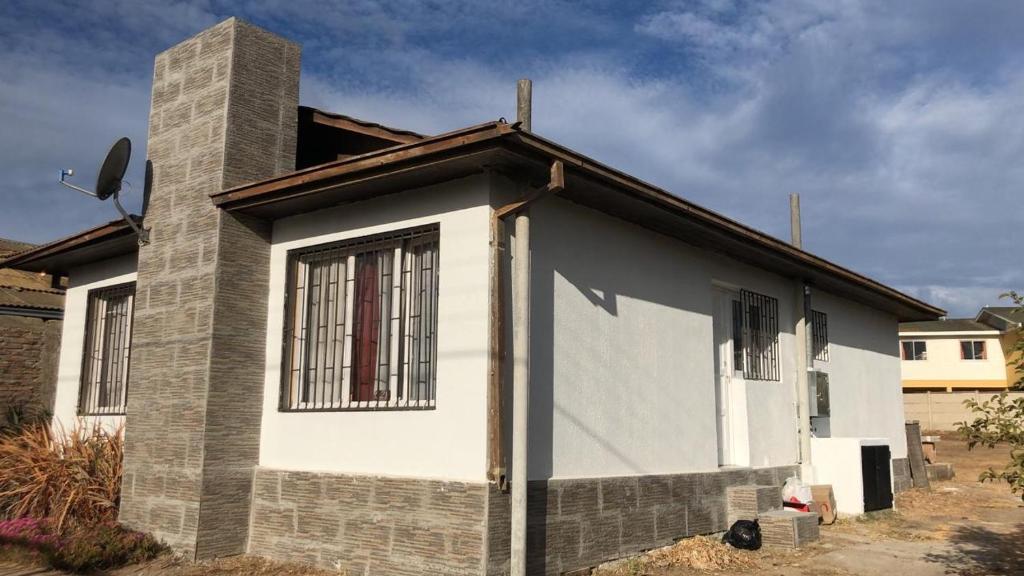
(1011, 313)
(948, 325)
(31, 298)
(398, 132)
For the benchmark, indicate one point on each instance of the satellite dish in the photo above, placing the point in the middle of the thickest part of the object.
(114, 166)
(108, 183)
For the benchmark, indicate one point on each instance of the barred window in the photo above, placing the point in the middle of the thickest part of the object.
(361, 326)
(819, 335)
(108, 338)
(760, 315)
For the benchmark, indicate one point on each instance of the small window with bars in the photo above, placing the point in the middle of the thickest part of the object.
(760, 315)
(361, 324)
(819, 335)
(108, 340)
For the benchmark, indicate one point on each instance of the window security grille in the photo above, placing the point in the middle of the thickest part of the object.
(108, 336)
(819, 335)
(361, 324)
(760, 336)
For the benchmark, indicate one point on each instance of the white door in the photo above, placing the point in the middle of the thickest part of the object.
(726, 332)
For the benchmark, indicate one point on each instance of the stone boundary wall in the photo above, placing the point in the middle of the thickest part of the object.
(360, 525)
(942, 410)
(579, 523)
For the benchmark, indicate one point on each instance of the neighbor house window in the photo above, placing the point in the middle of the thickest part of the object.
(914, 350)
(361, 327)
(108, 339)
(819, 335)
(972, 350)
(760, 328)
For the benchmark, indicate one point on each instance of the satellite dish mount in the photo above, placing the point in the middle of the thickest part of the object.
(108, 183)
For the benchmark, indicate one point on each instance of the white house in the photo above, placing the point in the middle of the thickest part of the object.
(314, 357)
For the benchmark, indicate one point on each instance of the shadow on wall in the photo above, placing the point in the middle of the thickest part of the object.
(607, 268)
(841, 322)
(978, 550)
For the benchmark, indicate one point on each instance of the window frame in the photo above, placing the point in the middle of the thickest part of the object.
(88, 397)
(292, 386)
(976, 356)
(903, 351)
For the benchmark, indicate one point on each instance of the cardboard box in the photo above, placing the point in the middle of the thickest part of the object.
(824, 502)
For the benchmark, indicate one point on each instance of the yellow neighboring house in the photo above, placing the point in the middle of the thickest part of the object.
(961, 353)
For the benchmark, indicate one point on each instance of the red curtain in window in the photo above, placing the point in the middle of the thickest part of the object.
(367, 328)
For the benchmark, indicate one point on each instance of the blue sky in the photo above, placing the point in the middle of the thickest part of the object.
(901, 124)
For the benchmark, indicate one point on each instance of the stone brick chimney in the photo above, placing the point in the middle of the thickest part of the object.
(224, 112)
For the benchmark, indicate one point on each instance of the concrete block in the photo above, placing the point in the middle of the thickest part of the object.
(788, 529)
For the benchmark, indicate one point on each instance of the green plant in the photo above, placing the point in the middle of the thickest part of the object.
(20, 415)
(998, 420)
(1017, 354)
(73, 478)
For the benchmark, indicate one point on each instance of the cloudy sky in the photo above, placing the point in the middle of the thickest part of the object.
(901, 124)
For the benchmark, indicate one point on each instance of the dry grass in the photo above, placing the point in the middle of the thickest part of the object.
(73, 478)
(699, 553)
(702, 553)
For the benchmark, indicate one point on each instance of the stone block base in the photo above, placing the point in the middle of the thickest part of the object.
(939, 471)
(901, 478)
(749, 501)
(575, 524)
(366, 525)
(788, 529)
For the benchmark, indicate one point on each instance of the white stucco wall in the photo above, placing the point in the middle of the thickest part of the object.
(622, 362)
(447, 442)
(944, 363)
(864, 372)
(69, 371)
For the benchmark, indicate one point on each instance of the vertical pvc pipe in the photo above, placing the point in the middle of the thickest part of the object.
(521, 388)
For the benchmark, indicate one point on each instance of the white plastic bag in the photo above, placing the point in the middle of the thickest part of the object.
(795, 488)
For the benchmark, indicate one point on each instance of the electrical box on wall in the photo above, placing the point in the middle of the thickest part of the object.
(817, 382)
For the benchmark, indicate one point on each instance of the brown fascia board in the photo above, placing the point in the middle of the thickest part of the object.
(108, 240)
(537, 150)
(317, 178)
(374, 129)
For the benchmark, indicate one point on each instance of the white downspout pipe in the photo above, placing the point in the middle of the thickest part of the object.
(804, 361)
(520, 388)
(520, 358)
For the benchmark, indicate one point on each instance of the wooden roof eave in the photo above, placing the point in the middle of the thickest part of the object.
(108, 240)
(369, 175)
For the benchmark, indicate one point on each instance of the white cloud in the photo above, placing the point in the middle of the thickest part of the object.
(901, 125)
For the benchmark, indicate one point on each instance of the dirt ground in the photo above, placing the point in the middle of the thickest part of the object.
(959, 527)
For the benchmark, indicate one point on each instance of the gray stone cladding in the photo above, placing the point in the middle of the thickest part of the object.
(580, 523)
(223, 112)
(901, 479)
(788, 529)
(366, 525)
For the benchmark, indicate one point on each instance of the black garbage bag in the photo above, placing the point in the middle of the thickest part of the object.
(744, 534)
